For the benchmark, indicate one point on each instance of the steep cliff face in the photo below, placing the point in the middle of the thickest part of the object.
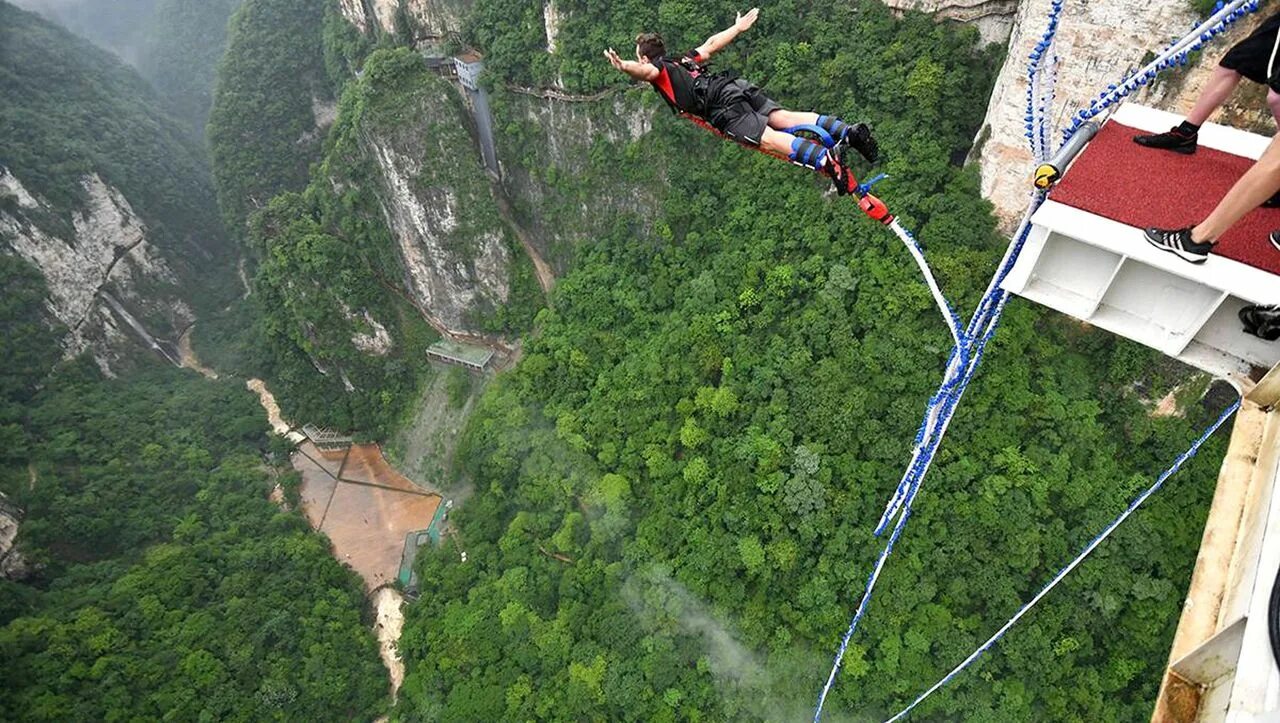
(554, 149)
(1097, 43)
(435, 17)
(551, 21)
(102, 255)
(104, 194)
(397, 233)
(431, 18)
(13, 566)
(454, 248)
(993, 18)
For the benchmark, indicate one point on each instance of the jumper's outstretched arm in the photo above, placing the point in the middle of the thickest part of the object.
(640, 71)
(716, 42)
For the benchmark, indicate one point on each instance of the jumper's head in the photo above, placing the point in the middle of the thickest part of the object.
(649, 46)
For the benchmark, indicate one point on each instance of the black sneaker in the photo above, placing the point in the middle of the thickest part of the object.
(1179, 243)
(1273, 202)
(1275, 239)
(1175, 140)
(1261, 321)
(860, 139)
(841, 177)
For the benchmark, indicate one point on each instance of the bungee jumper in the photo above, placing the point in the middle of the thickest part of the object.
(739, 110)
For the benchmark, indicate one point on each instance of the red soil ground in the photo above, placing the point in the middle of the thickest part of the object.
(365, 507)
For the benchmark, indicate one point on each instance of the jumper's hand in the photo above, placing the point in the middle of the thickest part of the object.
(614, 60)
(744, 22)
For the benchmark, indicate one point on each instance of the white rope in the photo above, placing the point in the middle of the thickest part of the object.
(909, 241)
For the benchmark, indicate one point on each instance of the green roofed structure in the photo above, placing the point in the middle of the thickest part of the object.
(451, 352)
(434, 533)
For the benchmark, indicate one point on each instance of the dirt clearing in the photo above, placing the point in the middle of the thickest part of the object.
(364, 506)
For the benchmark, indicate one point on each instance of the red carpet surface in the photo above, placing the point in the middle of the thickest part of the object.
(1123, 181)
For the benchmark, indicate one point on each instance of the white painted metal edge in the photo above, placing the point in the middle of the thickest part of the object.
(1219, 137)
(1242, 280)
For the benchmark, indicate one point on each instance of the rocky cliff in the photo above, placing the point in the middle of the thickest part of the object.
(429, 18)
(13, 566)
(437, 202)
(993, 18)
(102, 272)
(1097, 43)
(554, 147)
(104, 194)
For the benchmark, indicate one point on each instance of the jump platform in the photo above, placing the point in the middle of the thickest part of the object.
(1087, 256)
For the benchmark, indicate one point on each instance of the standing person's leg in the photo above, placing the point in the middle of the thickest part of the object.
(1273, 102)
(1182, 138)
(1258, 184)
(1220, 86)
(1248, 58)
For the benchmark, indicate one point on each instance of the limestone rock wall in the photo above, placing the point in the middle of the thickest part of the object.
(103, 253)
(551, 20)
(444, 282)
(1098, 42)
(359, 13)
(993, 18)
(556, 150)
(439, 207)
(439, 17)
(436, 18)
(12, 564)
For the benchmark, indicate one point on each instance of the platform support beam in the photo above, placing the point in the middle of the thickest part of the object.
(1179, 699)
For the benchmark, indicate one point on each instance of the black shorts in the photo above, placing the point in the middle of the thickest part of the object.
(740, 110)
(1250, 56)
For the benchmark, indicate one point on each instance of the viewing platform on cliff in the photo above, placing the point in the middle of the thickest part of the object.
(475, 358)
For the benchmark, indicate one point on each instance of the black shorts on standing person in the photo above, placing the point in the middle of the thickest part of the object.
(1253, 58)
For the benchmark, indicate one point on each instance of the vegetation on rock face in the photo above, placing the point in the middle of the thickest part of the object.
(170, 585)
(166, 584)
(674, 490)
(27, 349)
(676, 487)
(262, 128)
(330, 267)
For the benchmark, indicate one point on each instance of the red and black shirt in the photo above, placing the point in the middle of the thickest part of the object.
(677, 82)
